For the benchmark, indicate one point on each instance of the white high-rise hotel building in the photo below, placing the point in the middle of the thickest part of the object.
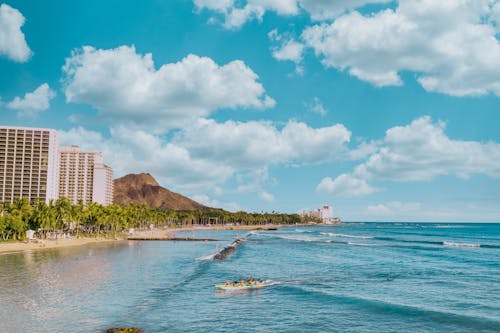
(83, 176)
(32, 166)
(29, 162)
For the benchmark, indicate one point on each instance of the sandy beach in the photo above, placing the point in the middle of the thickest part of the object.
(155, 234)
(49, 244)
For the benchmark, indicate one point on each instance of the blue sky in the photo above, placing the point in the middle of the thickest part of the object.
(388, 110)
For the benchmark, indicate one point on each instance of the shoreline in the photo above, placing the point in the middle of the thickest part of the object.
(13, 247)
(159, 234)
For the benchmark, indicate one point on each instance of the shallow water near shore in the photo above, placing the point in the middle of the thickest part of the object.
(372, 277)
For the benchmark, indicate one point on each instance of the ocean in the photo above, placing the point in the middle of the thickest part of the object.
(355, 277)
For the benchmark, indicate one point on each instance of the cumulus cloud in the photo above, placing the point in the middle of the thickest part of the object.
(12, 41)
(138, 151)
(444, 42)
(345, 186)
(33, 102)
(287, 50)
(419, 151)
(205, 154)
(237, 13)
(254, 144)
(125, 86)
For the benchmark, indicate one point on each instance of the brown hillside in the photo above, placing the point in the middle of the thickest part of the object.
(144, 189)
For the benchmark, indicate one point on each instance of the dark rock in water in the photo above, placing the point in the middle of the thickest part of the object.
(124, 330)
(224, 253)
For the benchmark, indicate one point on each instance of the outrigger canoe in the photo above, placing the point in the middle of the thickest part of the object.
(223, 286)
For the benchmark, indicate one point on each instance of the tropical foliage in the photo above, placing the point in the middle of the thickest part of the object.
(62, 217)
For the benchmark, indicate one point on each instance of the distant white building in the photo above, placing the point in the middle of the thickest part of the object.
(29, 163)
(324, 213)
(103, 184)
(84, 176)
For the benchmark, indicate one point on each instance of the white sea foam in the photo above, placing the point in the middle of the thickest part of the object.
(331, 234)
(299, 238)
(207, 258)
(362, 244)
(267, 283)
(461, 244)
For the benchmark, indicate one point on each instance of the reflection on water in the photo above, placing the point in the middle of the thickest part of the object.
(40, 286)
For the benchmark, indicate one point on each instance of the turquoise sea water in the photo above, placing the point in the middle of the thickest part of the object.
(372, 277)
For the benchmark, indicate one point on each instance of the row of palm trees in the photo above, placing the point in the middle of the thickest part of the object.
(62, 217)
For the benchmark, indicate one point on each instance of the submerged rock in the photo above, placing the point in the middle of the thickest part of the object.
(124, 330)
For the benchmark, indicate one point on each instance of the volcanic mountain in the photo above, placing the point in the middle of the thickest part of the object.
(143, 189)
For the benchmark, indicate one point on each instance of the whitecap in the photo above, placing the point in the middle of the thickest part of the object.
(461, 244)
(331, 234)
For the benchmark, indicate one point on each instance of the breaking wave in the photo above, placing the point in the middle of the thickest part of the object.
(331, 234)
(461, 244)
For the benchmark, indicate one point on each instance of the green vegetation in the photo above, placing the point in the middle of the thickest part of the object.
(62, 217)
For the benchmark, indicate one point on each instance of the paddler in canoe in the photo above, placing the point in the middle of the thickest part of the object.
(235, 285)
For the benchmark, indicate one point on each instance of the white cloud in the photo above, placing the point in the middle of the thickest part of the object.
(419, 151)
(204, 155)
(316, 106)
(130, 151)
(329, 9)
(415, 211)
(363, 150)
(444, 42)
(125, 87)
(214, 4)
(266, 196)
(345, 186)
(12, 41)
(237, 13)
(210, 202)
(33, 102)
(287, 50)
(255, 144)
(422, 151)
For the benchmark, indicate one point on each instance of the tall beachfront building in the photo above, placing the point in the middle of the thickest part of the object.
(28, 163)
(84, 176)
(103, 184)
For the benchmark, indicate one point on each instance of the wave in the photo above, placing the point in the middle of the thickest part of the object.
(462, 321)
(461, 244)
(364, 244)
(388, 242)
(331, 234)
(303, 231)
(296, 238)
